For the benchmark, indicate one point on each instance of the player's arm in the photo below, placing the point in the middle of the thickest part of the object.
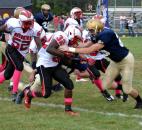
(53, 48)
(85, 44)
(3, 28)
(33, 57)
(87, 50)
(95, 47)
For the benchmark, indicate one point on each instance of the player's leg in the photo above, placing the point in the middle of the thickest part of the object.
(127, 66)
(68, 84)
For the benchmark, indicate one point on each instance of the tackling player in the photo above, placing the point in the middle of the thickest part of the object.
(122, 60)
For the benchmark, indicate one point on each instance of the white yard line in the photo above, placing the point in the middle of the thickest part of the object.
(82, 109)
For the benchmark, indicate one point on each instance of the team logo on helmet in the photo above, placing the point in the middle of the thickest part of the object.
(74, 35)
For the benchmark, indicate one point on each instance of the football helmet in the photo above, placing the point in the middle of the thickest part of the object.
(17, 11)
(5, 15)
(94, 26)
(74, 35)
(76, 13)
(45, 7)
(99, 17)
(26, 19)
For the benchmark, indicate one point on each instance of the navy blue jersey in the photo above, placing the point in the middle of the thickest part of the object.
(112, 44)
(43, 21)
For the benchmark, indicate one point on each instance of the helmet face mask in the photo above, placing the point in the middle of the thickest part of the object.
(26, 25)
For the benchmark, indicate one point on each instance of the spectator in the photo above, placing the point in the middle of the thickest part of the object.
(135, 23)
(44, 16)
(61, 23)
(130, 27)
(122, 23)
(56, 22)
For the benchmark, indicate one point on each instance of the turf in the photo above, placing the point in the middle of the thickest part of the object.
(95, 112)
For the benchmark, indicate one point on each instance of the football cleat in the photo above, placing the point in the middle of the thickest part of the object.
(27, 98)
(125, 97)
(107, 96)
(119, 96)
(138, 105)
(10, 88)
(13, 97)
(71, 113)
(19, 97)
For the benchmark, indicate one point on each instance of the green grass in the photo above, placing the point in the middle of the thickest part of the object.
(96, 114)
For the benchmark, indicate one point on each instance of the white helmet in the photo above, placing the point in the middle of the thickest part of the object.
(74, 34)
(76, 13)
(26, 19)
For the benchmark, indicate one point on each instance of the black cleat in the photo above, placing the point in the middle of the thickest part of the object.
(19, 97)
(138, 105)
(125, 97)
(13, 97)
(10, 88)
(119, 96)
(107, 96)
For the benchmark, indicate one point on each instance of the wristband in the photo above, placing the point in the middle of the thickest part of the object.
(71, 49)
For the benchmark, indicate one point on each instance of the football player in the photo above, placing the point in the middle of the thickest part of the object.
(48, 67)
(122, 60)
(22, 30)
(44, 17)
(75, 18)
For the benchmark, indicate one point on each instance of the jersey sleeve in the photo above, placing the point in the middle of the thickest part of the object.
(10, 24)
(39, 32)
(33, 47)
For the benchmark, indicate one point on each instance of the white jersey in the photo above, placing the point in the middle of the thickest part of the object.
(19, 39)
(70, 21)
(33, 47)
(46, 59)
(95, 55)
(86, 35)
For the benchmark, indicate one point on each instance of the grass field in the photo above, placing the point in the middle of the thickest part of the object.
(95, 112)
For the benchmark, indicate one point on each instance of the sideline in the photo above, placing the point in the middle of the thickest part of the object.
(82, 109)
